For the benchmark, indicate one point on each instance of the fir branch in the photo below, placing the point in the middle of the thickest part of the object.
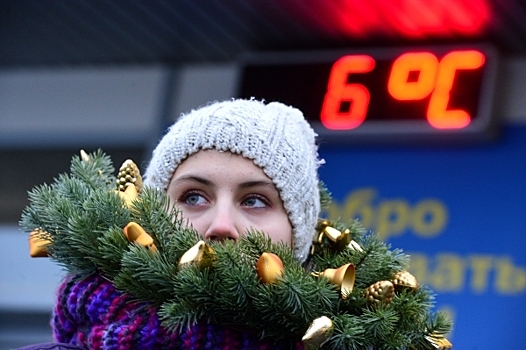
(413, 306)
(193, 298)
(78, 248)
(83, 217)
(112, 246)
(97, 172)
(438, 323)
(166, 226)
(177, 315)
(235, 269)
(146, 275)
(435, 325)
(295, 301)
(378, 263)
(380, 321)
(33, 216)
(349, 333)
(325, 195)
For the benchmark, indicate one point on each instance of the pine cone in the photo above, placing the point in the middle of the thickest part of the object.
(405, 280)
(381, 291)
(129, 173)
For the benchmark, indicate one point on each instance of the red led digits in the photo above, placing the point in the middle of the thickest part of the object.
(423, 65)
(413, 76)
(437, 113)
(434, 79)
(345, 105)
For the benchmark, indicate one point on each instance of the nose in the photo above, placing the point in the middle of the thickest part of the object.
(222, 224)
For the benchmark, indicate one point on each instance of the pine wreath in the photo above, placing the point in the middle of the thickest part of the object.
(353, 293)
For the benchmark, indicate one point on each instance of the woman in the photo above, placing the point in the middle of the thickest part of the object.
(233, 171)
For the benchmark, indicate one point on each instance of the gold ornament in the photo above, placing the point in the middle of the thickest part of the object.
(439, 342)
(318, 333)
(38, 244)
(84, 156)
(128, 195)
(353, 245)
(135, 233)
(405, 280)
(343, 277)
(129, 173)
(269, 268)
(201, 254)
(337, 238)
(381, 291)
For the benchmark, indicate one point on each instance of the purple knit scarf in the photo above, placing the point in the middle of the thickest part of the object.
(91, 314)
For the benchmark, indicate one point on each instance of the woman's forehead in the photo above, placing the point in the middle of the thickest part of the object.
(220, 163)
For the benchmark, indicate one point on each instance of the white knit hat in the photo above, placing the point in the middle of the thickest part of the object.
(275, 136)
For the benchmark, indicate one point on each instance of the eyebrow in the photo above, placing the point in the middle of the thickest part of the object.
(206, 182)
(194, 179)
(249, 184)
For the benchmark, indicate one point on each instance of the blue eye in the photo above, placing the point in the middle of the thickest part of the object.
(254, 202)
(193, 199)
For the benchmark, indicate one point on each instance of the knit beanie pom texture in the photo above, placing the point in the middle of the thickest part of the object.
(276, 137)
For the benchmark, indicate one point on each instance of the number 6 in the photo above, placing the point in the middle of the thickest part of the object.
(338, 92)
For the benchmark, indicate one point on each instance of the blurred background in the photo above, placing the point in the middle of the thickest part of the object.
(89, 74)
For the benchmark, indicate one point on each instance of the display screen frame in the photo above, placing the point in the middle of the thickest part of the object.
(484, 126)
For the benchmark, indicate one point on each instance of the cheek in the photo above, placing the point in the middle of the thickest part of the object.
(281, 230)
(189, 220)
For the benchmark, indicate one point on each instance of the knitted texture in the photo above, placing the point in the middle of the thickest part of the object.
(92, 314)
(274, 136)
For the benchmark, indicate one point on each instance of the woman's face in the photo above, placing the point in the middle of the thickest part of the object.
(223, 195)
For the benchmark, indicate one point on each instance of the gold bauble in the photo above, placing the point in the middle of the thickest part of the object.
(380, 292)
(135, 233)
(201, 254)
(405, 280)
(439, 342)
(129, 173)
(38, 243)
(343, 277)
(318, 333)
(338, 239)
(269, 268)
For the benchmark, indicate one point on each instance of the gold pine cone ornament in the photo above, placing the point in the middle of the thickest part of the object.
(380, 292)
(404, 280)
(129, 173)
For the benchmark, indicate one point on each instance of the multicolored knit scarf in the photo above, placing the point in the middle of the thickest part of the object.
(92, 314)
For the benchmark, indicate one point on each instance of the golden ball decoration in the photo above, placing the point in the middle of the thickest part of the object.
(201, 254)
(318, 333)
(380, 292)
(404, 280)
(269, 268)
(129, 173)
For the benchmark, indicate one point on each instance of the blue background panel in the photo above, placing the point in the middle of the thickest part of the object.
(460, 212)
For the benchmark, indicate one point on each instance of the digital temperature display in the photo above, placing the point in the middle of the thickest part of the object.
(386, 93)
